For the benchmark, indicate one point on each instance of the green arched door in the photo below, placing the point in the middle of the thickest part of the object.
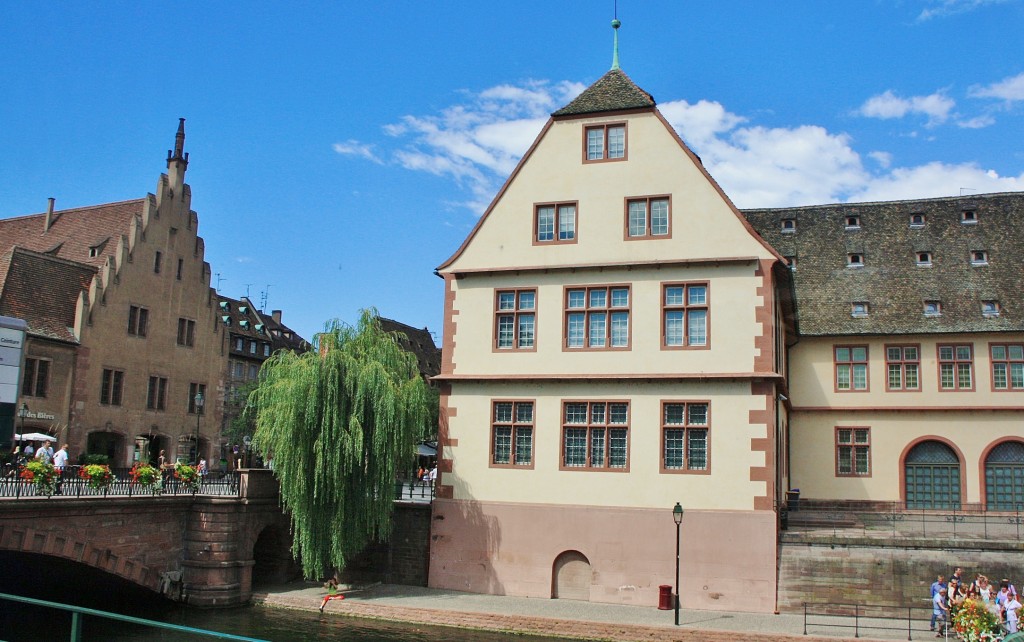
(1004, 477)
(932, 477)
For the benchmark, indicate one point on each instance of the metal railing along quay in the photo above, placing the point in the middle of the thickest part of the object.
(896, 519)
(874, 621)
(70, 484)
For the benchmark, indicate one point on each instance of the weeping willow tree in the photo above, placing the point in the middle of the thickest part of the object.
(339, 422)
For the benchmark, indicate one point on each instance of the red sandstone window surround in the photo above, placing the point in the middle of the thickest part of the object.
(685, 308)
(851, 366)
(685, 437)
(956, 367)
(595, 435)
(903, 368)
(515, 320)
(1007, 366)
(597, 318)
(512, 434)
(853, 452)
(605, 142)
(648, 218)
(554, 223)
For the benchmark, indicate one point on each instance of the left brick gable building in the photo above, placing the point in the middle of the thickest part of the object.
(123, 330)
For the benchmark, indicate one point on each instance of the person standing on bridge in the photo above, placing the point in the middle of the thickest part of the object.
(45, 453)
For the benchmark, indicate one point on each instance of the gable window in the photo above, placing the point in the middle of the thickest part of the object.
(266, 349)
(684, 436)
(979, 257)
(855, 260)
(156, 262)
(858, 310)
(917, 220)
(239, 344)
(968, 217)
(555, 223)
(512, 434)
(956, 367)
(851, 364)
(515, 319)
(924, 259)
(186, 332)
(990, 309)
(597, 317)
(903, 367)
(789, 226)
(853, 222)
(606, 142)
(853, 452)
(647, 218)
(193, 390)
(595, 435)
(138, 320)
(111, 386)
(1007, 366)
(156, 395)
(36, 378)
(933, 308)
(685, 315)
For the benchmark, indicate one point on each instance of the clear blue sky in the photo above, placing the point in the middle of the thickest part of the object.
(341, 151)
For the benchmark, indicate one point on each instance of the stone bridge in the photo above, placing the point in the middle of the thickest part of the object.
(203, 550)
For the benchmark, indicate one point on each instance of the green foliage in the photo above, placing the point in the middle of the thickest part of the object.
(339, 421)
(44, 476)
(97, 476)
(94, 458)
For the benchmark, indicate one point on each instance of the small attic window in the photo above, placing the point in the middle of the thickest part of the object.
(94, 251)
(933, 308)
(917, 220)
(244, 324)
(243, 309)
(853, 222)
(858, 309)
(261, 328)
(225, 319)
(224, 305)
(969, 217)
(990, 309)
(924, 259)
(789, 226)
(979, 257)
(855, 260)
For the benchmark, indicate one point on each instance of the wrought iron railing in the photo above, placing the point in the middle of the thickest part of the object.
(70, 484)
(874, 621)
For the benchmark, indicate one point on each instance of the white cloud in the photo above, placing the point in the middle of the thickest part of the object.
(1009, 89)
(355, 148)
(936, 107)
(945, 8)
(978, 122)
(478, 143)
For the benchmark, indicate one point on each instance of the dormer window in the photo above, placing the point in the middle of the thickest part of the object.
(979, 257)
(243, 309)
(225, 319)
(933, 308)
(917, 220)
(605, 142)
(224, 306)
(990, 309)
(968, 217)
(924, 259)
(853, 222)
(94, 251)
(789, 226)
(855, 260)
(858, 310)
(244, 324)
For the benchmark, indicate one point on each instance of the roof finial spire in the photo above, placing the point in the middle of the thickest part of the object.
(179, 145)
(615, 25)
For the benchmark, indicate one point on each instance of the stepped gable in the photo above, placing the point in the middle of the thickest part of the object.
(43, 290)
(612, 92)
(891, 282)
(74, 232)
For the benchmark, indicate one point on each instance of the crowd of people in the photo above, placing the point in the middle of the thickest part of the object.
(1001, 600)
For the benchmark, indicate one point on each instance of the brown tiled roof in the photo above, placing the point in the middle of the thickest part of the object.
(42, 290)
(72, 232)
(614, 91)
(890, 281)
(283, 337)
(419, 342)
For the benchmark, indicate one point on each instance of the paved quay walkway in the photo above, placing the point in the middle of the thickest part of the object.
(558, 618)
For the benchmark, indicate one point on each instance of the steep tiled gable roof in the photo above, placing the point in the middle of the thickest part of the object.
(612, 92)
(43, 290)
(72, 232)
(419, 342)
(890, 281)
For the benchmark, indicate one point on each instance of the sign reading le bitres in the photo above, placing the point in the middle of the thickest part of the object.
(12, 342)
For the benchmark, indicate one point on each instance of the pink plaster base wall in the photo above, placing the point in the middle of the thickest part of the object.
(727, 558)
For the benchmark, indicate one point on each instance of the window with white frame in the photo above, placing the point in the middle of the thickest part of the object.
(924, 259)
(990, 308)
(597, 317)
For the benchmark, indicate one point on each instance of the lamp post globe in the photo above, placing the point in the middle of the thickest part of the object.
(677, 517)
(199, 413)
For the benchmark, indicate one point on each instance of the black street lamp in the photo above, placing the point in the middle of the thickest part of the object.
(199, 413)
(677, 517)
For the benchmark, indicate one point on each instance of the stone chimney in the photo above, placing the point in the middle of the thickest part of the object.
(49, 215)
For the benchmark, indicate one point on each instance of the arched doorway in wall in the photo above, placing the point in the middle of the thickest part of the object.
(932, 476)
(1004, 477)
(571, 577)
(107, 443)
(272, 557)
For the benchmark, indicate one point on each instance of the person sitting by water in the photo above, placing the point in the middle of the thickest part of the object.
(332, 592)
